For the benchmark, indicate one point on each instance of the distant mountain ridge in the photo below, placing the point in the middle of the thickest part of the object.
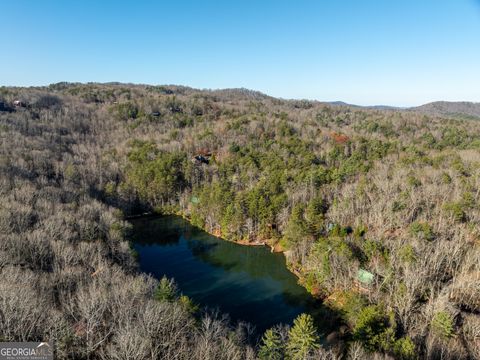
(453, 109)
(441, 108)
(450, 109)
(378, 107)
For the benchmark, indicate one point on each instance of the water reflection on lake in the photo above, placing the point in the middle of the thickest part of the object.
(248, 282)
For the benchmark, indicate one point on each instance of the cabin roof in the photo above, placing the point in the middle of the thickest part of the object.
(204, 152)
(194, 200)
(365, 276)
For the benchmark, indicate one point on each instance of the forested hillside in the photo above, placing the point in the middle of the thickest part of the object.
(451, 109)
(376, 210)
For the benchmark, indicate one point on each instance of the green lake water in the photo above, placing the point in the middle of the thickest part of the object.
(248, 282)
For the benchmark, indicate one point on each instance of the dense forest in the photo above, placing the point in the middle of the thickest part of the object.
(376, 210)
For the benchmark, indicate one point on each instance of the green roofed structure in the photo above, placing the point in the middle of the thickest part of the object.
(365, 277)
(194, 200)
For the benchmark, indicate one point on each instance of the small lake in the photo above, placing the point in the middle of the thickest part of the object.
(248, 282)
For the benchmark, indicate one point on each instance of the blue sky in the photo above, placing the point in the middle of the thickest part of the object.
(403, 52)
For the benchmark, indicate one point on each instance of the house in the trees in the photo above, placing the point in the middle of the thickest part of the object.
(19, 103)
(364, 280)
(202, 156)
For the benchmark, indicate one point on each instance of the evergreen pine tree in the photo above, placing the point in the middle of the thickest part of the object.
(303, 337)
(272, 347)
(166, 290)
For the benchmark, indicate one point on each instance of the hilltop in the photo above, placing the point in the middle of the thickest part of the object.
(450, 109)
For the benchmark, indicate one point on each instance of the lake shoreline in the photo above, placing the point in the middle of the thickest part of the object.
(275, 248)
(240, 280)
